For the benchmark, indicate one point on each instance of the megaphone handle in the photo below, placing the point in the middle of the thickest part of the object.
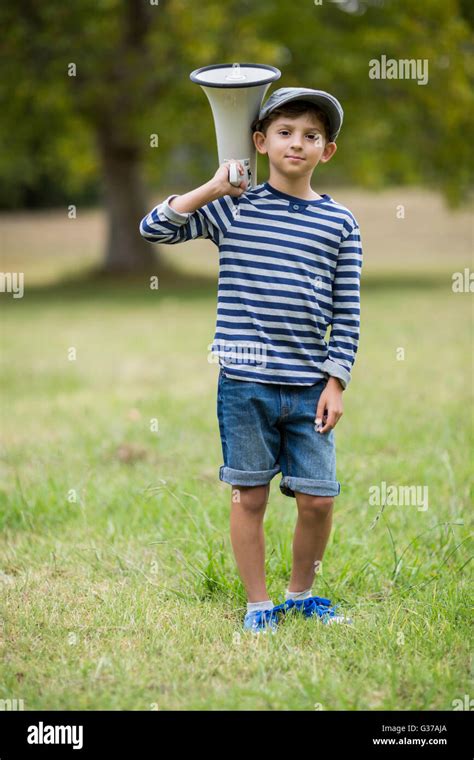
(234, 175)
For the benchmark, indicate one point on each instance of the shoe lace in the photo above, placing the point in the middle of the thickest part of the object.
(320, 606)
(263, 616)
(314, 604)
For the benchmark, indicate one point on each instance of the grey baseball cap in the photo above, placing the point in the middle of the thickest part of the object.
(328, 103)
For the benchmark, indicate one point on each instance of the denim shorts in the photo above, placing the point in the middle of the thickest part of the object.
(268, 428)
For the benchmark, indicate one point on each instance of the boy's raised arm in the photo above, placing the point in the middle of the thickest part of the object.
(185, 217)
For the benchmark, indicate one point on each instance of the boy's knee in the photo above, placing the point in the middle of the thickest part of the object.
(251, 498)
(314, 504)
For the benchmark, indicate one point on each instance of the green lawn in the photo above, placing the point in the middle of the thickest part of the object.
(119, 587)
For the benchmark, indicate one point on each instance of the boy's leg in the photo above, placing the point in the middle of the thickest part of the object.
(312, 531)
(248, 506)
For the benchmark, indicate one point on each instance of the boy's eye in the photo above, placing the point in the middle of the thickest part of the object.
(285, 132)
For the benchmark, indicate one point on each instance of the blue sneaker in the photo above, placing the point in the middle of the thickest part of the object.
(314, 606)
(261, 621)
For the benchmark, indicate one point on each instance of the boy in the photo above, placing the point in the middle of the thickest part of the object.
(290, 264)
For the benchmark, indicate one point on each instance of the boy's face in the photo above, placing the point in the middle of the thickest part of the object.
(301, 136)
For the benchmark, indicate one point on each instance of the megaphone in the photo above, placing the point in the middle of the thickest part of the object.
(235, 92)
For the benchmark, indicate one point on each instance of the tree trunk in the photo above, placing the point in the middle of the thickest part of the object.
(125, 199)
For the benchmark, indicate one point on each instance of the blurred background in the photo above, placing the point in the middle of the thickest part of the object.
(114, 525)
(88, 89)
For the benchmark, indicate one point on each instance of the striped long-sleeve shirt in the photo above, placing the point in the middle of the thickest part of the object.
(288, 269)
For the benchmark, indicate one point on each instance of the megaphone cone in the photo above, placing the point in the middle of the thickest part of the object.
(235, 92)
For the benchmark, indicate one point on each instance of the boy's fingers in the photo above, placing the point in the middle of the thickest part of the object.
(320, 411)
(329, 423)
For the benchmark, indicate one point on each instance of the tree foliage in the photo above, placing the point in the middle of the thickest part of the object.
(133, 60)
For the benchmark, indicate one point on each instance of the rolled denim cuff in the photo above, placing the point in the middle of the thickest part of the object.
(243, 478)
(289, 485)
(336, 370)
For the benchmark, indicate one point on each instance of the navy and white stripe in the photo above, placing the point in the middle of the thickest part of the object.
(288, 269)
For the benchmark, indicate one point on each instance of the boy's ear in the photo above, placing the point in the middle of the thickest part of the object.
(328, 152)
(259, 142)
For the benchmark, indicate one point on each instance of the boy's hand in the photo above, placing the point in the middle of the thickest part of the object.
(330, 408)
(221, 180)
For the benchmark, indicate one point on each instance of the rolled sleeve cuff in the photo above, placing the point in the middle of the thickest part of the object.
(336, 370)
(171, 214)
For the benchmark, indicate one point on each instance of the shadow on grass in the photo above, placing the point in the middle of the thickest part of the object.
(97, 286)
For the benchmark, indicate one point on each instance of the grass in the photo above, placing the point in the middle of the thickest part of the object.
(119, 587)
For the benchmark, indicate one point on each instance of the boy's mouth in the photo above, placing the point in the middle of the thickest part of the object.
(296, 158)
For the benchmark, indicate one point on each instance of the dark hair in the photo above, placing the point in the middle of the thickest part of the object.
(292, 109)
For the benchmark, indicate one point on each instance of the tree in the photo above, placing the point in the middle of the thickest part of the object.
(89, 78)
(86, 85)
